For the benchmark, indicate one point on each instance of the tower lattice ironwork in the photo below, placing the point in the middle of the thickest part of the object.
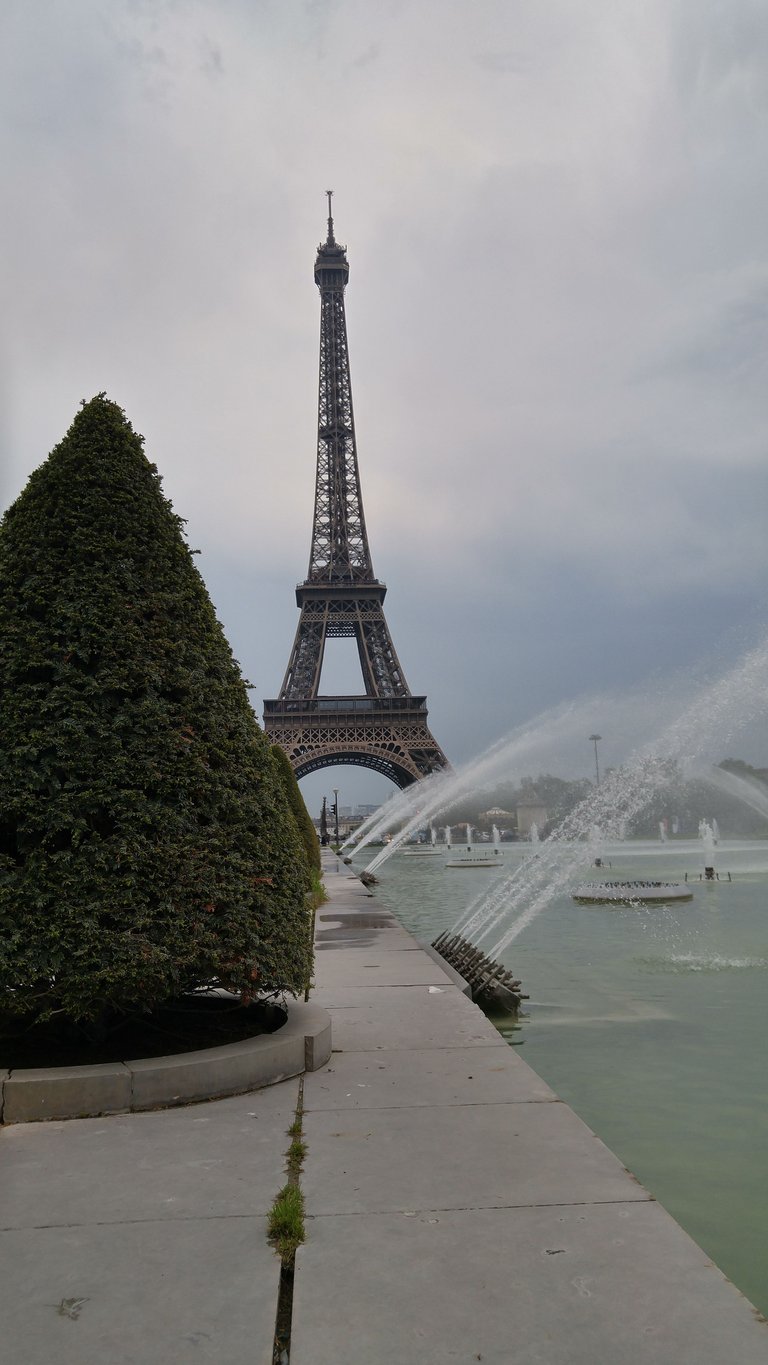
(386, 727)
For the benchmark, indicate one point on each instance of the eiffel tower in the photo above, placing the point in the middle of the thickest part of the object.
(386, 727)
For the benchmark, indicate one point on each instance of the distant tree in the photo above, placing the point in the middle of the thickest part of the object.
(745, 770)
(301, 815)
(146, 846)
(682, 802)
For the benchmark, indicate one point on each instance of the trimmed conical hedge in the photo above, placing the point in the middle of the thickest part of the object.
(146, 846)
(307, 832)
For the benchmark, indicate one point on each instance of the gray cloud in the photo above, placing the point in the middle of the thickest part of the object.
(556, 309)
(503, 63)
(371, 54)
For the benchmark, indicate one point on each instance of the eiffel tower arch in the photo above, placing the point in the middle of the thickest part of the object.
(385, 728)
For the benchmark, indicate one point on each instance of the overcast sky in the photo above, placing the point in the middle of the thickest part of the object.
(555, 214)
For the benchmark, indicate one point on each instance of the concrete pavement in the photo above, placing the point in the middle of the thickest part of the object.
(457, 1210)
(140, 1239)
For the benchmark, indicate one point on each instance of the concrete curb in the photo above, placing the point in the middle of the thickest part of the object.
(450, 971)
(303, 1043)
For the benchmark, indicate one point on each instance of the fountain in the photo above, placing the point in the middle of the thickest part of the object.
(477, 857)
(733, 785)
(707, 836)
(716, 714)
(490, 984)
(637, 715)
(441, 790)
(719, 711)
(430, 851)
(413, 804)
(596, 845)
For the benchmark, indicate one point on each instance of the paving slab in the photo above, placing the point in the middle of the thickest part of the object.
(150, 1293)
(404, 966)
(461, 1156)
(343, 886)
(330, 936)
(225, 1158)
(365, 1018)
(428, 1076)
(141, 1239)
(352, 916)
(361, 929)
(609, 1284)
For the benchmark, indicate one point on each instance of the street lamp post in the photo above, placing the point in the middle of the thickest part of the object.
(594, 739)
(336, 813)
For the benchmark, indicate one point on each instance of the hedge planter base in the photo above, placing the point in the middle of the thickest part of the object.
(303, 1043)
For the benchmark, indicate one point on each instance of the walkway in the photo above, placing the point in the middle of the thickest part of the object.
(458, 1212)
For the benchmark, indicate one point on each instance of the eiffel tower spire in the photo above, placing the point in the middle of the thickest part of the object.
(386, 728)
(339, 543)
(330, 241)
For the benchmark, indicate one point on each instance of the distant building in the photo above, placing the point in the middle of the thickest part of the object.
(530, 813)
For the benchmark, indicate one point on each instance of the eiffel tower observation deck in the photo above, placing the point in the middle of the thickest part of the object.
(385, 727)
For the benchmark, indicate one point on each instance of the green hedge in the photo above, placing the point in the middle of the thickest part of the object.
(145, 845)
(306, 829)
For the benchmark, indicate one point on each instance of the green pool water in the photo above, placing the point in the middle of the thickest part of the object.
(650, 1022)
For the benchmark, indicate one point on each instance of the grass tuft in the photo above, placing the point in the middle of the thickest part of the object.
(295, 1156)
(286, 1223)
(318, 893)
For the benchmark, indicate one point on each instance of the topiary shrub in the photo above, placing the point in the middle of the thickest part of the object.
(307, 831)
(146, 847)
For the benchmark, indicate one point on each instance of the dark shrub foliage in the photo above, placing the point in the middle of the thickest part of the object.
(145, 844)
(296, 802)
